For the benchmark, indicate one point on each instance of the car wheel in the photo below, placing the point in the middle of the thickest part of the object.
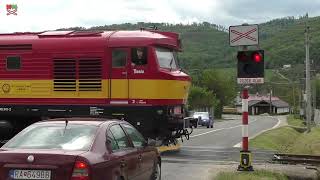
(208, 126)
(156, 174)
(211, 126)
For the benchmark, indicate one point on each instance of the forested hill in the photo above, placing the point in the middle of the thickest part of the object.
(206, 45)
(284, 41)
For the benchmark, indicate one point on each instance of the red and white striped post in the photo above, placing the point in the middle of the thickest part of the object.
(245, 154)
(245, 119)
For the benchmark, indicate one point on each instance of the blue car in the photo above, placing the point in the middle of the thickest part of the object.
(204, 119)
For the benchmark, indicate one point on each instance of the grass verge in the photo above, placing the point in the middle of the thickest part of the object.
(256, 175)
(307, 143)
(292, 121)
(278, 139)
(289, 139)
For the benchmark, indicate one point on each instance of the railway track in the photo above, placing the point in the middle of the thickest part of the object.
(296, 159)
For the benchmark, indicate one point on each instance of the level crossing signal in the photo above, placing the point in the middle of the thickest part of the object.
(251, 64)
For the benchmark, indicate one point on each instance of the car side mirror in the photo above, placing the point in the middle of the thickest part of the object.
(108, 143)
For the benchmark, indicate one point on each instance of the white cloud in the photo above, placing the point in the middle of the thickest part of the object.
(39, 15)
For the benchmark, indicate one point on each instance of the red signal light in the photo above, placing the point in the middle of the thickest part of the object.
(242, 56)
(250, 64)
(257, 57)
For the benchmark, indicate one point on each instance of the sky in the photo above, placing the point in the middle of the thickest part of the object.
(41, 15)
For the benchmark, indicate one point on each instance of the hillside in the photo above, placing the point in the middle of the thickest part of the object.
(283, 41)
(206, 45)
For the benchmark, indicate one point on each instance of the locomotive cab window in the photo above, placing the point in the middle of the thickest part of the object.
(167, 58)
(119, 58)
(13, 63)
(139, 56)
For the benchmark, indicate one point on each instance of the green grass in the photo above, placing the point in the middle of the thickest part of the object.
(292, 121)
(289, 139)
(307, 143)
(256, 175)
(279, 139)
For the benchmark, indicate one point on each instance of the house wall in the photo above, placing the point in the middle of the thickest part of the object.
(255, 110)
(283, 110)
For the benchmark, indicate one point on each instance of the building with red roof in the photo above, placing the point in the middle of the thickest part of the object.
(260, 104)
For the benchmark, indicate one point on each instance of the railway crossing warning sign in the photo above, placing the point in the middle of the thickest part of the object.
(244, 35)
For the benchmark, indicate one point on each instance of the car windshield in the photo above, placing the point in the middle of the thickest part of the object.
(166, 58)
(203, 115)
(54, 136)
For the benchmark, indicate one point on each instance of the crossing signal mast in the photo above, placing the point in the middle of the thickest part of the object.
(250, 68)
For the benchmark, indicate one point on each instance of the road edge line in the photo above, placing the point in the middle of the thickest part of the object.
(274, 127)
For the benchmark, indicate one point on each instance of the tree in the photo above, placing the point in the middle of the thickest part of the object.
(200, 97)
(222, 85)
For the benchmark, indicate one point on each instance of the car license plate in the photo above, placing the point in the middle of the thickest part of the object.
(30, 174)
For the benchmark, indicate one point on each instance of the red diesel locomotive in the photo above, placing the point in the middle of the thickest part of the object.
(129, 74)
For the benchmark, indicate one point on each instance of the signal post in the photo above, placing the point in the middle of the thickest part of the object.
(250, 66)
(245, 154)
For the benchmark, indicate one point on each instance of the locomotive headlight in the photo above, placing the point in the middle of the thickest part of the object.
(177, 110)
(160, 112)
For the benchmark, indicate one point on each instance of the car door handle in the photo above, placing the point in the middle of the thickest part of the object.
(123, 163)
(124, 73)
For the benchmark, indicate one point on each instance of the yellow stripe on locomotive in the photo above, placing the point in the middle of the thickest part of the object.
(138, 89)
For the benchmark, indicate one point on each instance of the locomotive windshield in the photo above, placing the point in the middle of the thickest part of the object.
(167, 58)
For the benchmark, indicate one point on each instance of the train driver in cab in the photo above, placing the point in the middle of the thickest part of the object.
(139, 56)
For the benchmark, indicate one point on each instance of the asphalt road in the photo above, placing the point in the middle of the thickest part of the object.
(209, 146)
(226, 134)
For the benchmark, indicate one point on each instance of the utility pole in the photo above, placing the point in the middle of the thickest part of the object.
(300, 101)
(294, 99)
(308, 85)
(313, 97)
(270, 101)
